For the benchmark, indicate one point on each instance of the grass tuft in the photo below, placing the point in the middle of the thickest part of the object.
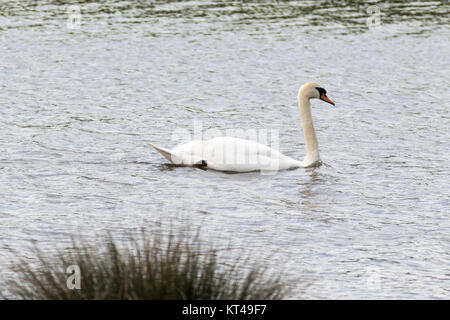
(173, 266)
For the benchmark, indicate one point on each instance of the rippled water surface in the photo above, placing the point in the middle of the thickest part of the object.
(78, 107)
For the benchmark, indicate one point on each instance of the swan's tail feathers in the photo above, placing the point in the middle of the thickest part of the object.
(181, 158)
(167, 154)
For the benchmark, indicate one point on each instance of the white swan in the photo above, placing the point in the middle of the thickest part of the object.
(239, 155)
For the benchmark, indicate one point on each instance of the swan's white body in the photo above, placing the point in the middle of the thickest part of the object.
(229, 154)
(239, 155)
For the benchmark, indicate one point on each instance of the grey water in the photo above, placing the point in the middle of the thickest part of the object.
(84, 89)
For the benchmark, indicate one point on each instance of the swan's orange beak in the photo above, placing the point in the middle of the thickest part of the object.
(326, 99)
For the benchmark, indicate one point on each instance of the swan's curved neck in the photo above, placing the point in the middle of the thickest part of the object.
(312, 146)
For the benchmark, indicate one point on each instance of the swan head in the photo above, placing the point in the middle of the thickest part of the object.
(312, 90)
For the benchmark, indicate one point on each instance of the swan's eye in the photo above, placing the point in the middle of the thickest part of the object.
(321, 91)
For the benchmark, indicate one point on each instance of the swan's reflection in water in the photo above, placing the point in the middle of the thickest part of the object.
(308, 186)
